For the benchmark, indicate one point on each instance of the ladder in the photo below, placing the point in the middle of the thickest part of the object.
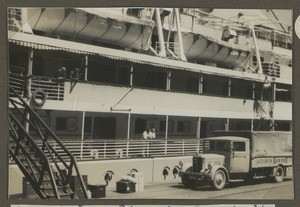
(48, 169)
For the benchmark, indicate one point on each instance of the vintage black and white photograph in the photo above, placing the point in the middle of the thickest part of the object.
(150, 103)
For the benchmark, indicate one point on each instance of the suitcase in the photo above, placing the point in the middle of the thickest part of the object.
(97, 191)
(125, 186)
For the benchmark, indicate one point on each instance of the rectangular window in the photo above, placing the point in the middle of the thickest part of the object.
(162, 126)
(239, 146)
(140, 126)
(184, 126)
(87, 124)
(61, 124)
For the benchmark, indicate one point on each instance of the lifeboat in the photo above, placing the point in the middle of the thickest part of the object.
(117, 28)
(198, 47)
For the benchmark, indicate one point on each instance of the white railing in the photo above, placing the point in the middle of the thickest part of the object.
(112, 149)
(53, 88)
(17, 82)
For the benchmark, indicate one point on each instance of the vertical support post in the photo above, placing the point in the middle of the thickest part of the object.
(82, 125)
(198, 128)
(167, 126)
(274, 92)
(162, 51)
(86, 63)
(253, 90)
(28, 84)
(252, 125)
(200, 89)
(128, 124)
(260, 71)
(168, 85)
(227, 124)
(229, 87)
(131, 75)
(180, 42)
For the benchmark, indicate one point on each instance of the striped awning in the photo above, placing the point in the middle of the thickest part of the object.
(46, 43)
(40, 46)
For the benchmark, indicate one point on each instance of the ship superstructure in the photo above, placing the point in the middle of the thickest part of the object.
(98, 78)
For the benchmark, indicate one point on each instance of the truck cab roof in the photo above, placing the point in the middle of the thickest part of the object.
(229, 138)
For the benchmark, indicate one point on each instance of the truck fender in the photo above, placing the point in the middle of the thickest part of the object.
(219, 167)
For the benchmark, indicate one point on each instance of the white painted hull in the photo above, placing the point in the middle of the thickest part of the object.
(92, 27)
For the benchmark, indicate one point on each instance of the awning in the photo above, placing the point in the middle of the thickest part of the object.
(46, 43)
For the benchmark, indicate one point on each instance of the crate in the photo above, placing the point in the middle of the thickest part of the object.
(76, 187)
(125, 186)
(97, 191)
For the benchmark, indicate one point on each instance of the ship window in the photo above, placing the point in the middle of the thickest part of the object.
(140, 126)
(184, 126)
(87, 124)
(192, 84)
(156, 80)
(215, 85)
(149, 77)
(184, 81)
(241, 89)
(283, 92)
(162, 126)
(239, 146)
(61, 124)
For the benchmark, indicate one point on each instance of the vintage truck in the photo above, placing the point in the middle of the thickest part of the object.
(233, 155)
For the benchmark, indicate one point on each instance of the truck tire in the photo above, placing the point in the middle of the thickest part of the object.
(279, 174)
(186, 182)
(219, 180)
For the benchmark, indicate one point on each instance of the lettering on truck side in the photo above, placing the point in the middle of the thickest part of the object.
(272, 161)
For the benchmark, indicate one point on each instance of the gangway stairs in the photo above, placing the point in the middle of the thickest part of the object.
(48, 169)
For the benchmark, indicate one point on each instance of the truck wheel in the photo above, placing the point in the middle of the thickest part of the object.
(219, 180)
(186, 182)
(279, 173)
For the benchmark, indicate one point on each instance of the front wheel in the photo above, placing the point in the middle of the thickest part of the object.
(279, 173)
(219, 180)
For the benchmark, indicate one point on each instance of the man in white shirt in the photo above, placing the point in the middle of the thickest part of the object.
(146, 134)
(152, 134)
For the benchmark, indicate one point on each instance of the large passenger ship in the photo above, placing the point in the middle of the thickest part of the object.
(85, 83)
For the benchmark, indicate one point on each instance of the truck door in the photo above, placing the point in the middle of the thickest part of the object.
(239, 161)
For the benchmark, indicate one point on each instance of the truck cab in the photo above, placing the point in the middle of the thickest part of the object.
(236, 152)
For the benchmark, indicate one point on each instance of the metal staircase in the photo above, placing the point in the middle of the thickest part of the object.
(48, 171)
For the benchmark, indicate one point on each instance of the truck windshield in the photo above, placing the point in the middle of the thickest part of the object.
(217, 145)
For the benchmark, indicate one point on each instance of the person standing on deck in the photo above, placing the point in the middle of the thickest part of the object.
(146, 134)
(152, 134)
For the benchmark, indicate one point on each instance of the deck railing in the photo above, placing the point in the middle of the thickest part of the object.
(53, 88)
(113, 149)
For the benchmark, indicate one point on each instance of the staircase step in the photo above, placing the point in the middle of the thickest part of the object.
(68, 194)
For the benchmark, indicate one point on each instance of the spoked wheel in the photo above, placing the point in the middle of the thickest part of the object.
(219, 180)
(279, 173)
